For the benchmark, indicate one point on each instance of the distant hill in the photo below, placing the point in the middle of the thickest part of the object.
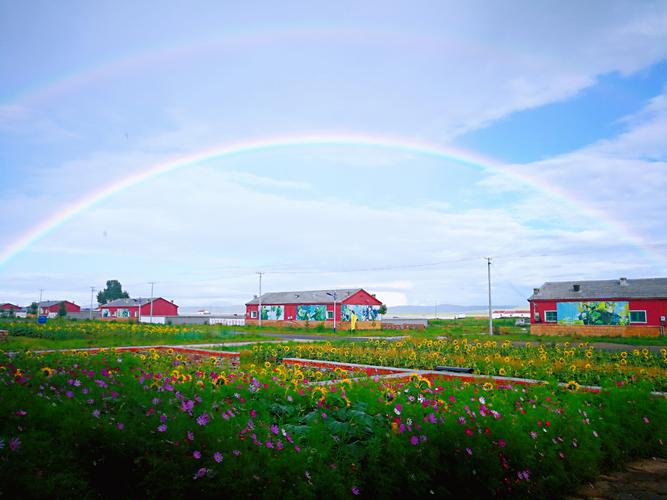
(441, 309)
(240, 309)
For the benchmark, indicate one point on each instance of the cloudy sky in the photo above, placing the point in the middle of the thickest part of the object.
(385, 145)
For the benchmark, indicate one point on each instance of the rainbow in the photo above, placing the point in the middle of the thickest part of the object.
(458, 157)
(230, 42)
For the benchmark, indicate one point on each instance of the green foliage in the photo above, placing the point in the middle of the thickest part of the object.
(62, 310)
(32, 309)
(383, 309)
(113, 291)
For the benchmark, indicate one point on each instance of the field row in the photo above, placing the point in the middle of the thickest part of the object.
(179, 423)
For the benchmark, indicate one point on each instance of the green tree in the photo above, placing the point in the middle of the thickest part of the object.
(32, 309)
(383, 309)
(113, 291)
(62, 310)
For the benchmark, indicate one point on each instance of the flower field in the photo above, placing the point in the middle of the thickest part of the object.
(63, 328)
(162, 423)
(565, 363)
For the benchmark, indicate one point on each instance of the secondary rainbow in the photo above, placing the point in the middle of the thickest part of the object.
(455, 156)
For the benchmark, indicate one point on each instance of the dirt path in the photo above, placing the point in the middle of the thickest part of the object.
(643, 479)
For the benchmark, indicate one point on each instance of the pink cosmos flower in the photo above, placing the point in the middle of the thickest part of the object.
(15, 443)
(200, 473)
(414, 440)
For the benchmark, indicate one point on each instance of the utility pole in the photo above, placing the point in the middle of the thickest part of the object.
(334, 309)
(488, 260)
(259, 311)
(92, 291)
(41, 291)
(152, 284)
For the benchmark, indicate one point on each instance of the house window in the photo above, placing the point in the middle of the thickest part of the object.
(253, 314)
(637, 316)
(329, 314)
(550, 316)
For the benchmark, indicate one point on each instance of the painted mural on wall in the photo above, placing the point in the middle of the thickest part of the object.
(593, 313)
(311, 313)
(122, 313)
(273, 312)
(363, 313)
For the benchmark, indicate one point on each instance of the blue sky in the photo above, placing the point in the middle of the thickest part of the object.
(563, 104)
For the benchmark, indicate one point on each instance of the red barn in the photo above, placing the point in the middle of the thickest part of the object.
(52, 307)
(313, 307)
(9, 307)
(619, 308)
(129, 308)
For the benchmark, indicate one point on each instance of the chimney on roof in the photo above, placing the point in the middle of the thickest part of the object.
(576, 287)
(623, 281)
(536, 291)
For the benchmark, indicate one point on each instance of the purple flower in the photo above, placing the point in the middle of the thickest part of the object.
(533, 434)
(155, 401)
(162, 428)
(469, 451)
(217, 456)
(414, 440)
(190, 435)
(200, 473)
(96, 413)
(236, 453)
(15, 443)
(120, 426)
(646, 420)
(202, 419)
(69, 394)
(274, 429)
(269, 444)
(355, 490)
(196, 454)
(163, 418)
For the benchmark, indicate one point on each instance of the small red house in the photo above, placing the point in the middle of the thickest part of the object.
(9, 307)
(313, 307)
(52, 307)
(622, 307)
(130, 308)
